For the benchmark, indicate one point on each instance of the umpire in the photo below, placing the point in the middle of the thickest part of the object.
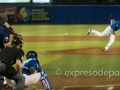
(10, 56)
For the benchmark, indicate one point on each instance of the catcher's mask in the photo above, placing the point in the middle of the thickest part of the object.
(31, 54)
(16, 41)
(10, 18)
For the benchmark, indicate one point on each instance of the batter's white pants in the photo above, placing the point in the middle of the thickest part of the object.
(106, 32)
(34, 78)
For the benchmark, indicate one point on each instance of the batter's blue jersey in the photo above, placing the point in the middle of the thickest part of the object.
(30, 63)
(4, 36)
(115, 26)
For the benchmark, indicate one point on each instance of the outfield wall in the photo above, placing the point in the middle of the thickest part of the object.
(83, 14)
(61, 14)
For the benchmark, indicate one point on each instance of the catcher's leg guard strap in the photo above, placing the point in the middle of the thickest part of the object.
(45, 80)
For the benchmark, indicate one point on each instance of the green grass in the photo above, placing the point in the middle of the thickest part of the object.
(83, 63)
(51, 62)
(56, 30)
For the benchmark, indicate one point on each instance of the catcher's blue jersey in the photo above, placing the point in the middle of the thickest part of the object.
(115, 26)
(30, 63)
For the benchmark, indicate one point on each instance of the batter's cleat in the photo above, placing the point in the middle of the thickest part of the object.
(89, 31)
(12, 89)
(105, 50)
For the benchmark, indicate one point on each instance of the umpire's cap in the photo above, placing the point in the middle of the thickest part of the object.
(16, 41)
(10, 18)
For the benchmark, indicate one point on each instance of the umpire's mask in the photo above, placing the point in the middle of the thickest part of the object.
(16, 41)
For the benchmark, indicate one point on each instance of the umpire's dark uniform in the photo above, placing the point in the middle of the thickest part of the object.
(8, 57)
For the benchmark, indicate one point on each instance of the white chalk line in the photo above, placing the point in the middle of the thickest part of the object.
(109, 87)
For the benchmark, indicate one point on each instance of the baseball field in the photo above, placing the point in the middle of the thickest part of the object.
(75, 61)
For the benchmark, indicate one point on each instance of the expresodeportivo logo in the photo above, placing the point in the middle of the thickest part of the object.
(77, 73)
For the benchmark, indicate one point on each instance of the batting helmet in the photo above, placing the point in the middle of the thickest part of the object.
(16, 41)
(10, 18)
(31, 54)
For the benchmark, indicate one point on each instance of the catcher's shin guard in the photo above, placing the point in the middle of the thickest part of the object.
(45, 80)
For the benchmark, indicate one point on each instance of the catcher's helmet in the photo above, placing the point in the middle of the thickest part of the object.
(31, 54)
(16, 41)
(10, 18)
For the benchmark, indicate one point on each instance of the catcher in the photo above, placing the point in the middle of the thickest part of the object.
(32, 71)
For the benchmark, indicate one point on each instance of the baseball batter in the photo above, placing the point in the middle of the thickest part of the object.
(5, 30)
(110, 30)
(32, 71)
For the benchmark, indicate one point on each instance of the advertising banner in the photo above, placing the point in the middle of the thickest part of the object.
(33, 14)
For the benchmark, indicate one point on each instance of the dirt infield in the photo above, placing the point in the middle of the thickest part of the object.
(81, 51)
(88, 51)
(63, 38)
(58, 82)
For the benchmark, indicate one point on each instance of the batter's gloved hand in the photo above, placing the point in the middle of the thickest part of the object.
(15, 35)
(11, 29)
